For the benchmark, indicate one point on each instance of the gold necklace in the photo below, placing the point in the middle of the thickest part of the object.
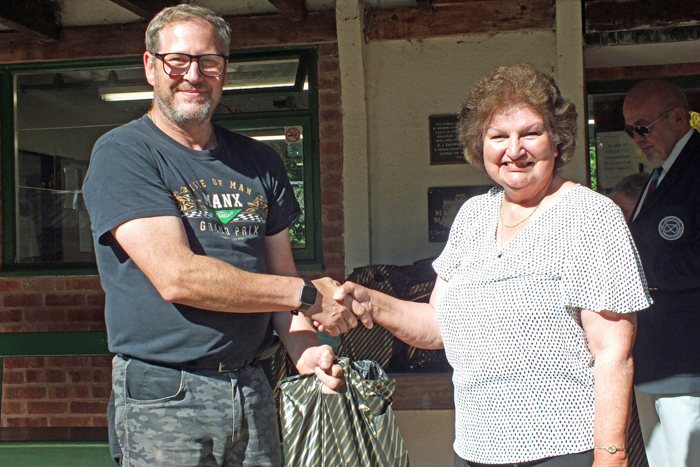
(500, 218)
(500, 209)
(500, 213)
(211, 125)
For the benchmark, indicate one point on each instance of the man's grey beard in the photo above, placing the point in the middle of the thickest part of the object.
(183, 119)
(654, 160)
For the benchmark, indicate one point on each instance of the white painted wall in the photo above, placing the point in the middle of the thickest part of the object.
(407, 81)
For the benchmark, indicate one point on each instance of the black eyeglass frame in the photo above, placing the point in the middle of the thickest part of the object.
(192, 58)
(644, 130)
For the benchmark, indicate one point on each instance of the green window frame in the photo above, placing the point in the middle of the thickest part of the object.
(309, 256)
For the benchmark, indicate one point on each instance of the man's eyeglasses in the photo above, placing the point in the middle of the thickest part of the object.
(643, 130)
(175, 64)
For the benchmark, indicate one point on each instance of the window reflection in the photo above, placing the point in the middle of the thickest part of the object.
(59, 114)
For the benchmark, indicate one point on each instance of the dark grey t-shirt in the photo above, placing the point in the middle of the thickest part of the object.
(229, 199)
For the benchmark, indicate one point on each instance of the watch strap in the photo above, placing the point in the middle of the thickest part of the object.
(307, 297)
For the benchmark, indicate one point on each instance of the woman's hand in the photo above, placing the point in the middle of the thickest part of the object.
(321, 361)
(412, 322)
(336, 316)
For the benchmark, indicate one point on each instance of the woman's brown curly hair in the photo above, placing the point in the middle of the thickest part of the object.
(510, 86)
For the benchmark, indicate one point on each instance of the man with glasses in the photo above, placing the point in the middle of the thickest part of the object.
(665, 225)
(190, 223)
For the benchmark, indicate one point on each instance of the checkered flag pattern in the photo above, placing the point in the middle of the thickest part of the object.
(248, 216)
(199, 213)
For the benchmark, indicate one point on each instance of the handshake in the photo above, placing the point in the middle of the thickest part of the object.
(337, 310)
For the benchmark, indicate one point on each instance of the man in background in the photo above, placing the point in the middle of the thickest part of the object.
(665, 225)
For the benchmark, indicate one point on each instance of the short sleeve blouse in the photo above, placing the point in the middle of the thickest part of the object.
(511, 322)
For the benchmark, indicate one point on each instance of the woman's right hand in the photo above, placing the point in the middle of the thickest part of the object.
(414, 323)
(361, 298)
(345, 294)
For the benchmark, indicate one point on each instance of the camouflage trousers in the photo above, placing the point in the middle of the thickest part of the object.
(170, 417)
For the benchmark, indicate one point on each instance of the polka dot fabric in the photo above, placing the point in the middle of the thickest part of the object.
(511, 324)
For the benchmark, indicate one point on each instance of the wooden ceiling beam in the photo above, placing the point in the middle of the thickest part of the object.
(425, 6)
(610, 15)
(455, 2)
(459, 18)
(317, 27)
(35, 17)
(145, 9)
(128, 39)
(295, 10)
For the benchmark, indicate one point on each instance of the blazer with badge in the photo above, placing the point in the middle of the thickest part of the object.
(667, 234)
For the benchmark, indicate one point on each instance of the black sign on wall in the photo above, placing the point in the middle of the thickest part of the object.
(444, 204)
(445, 147)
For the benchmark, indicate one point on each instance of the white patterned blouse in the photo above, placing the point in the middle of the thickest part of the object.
(511, 322)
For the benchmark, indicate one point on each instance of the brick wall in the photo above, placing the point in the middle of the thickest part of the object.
(51, 304)
(73, 391)
(331, 155)
(53, 391)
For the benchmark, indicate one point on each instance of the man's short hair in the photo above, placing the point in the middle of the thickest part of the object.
(184, 13)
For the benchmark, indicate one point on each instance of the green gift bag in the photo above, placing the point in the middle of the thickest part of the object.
(354, 429)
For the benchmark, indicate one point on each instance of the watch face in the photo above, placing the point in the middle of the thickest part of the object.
(308, 295)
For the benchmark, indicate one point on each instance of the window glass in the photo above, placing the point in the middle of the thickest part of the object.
(288, 143)
(57, 114)
(58, 117)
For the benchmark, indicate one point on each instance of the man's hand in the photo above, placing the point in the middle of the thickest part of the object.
(356, 299)
(335, 316)
(320, 360)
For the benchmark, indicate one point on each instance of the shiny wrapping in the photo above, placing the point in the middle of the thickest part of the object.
(354, 429)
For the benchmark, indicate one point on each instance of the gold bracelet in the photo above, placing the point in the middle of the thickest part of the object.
(610, 448)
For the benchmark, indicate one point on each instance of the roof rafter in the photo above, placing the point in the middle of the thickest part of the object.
(612, 15)
(36, 17)
(127, 39)
(146, 9)
(460, 17)
(293, 9)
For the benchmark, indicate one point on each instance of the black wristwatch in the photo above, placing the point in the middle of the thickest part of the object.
(307, 297)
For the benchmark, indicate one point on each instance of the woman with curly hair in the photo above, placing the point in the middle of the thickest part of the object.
(536, 293)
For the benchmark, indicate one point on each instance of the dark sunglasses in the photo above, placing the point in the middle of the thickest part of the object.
(643, 130)
(178, 64)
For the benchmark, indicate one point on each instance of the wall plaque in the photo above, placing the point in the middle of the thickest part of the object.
(445, 147)
(617, 156)
(443, 206)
